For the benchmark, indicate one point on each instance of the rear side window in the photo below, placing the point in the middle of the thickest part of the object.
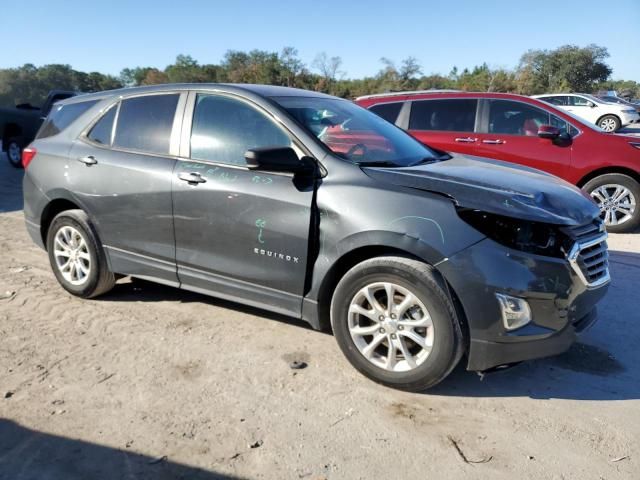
(457, 115)
(102, 130)
(388, 111)
(62, 116)
(145, 123)
(224, 129)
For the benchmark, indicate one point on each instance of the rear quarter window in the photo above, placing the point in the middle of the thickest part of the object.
(388, 111)
(62, 116)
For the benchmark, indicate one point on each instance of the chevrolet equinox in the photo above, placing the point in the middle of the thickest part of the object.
(313, 207)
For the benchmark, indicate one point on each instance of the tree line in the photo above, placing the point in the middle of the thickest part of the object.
(569, 68)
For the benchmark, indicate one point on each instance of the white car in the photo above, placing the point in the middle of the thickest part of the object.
(608, 116)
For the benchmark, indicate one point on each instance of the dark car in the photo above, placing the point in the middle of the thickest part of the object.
(620, 101)
(18, 126)
(413, 258)
(529, 132)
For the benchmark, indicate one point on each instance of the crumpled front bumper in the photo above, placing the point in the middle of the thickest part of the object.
(561, 304)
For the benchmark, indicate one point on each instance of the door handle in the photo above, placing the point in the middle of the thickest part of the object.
(191, 177)
(497, 141)
(88, 160)
(466, 140)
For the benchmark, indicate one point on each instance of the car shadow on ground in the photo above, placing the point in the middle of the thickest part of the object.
(137, 290)
(25, 453)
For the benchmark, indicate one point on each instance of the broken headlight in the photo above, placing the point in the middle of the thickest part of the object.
(526, 236)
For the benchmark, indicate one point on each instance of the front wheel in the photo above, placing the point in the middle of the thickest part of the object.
(617, 195)
(609, 123)
(14, 153)
(396, 324)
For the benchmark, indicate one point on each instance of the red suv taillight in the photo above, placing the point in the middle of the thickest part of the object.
(27, 155)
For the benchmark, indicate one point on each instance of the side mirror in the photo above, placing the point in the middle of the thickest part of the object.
(548, 131)
(278, 159)
(592, 105)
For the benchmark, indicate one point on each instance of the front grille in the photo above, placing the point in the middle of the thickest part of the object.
(589, 256)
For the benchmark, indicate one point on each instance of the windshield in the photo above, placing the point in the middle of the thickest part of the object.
(355, 134)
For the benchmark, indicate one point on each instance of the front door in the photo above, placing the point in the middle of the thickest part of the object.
(122, 176)
(510, 133)
(240, 234)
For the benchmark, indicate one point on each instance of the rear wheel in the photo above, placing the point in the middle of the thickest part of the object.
(609, 123)
(396, 324)
(76, 256)
(14, 152)
(617, 195)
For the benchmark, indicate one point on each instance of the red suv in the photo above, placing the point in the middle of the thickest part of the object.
(529, 132)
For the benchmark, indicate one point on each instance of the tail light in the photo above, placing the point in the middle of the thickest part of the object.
(27, 155)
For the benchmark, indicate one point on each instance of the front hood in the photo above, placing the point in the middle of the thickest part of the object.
(496, 187)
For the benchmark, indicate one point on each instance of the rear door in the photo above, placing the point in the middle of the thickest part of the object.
(509, 132)
(121, 171)
(445, 124)
(240, 234)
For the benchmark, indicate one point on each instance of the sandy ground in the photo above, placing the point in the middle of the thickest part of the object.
(153, 382)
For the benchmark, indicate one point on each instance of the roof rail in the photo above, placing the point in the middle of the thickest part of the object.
(411, 92)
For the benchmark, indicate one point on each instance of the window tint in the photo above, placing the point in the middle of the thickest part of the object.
(144, 123)
(516, 118)
(62, 116)
(388, 111)
(101, 131)
(457, 115)
(579, 102)
(224, 129)
(556, 100)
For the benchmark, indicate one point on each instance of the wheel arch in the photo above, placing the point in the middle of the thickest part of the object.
(53, 208)
(606, 170)
(353, 257)
(10, 130)
(609, 115)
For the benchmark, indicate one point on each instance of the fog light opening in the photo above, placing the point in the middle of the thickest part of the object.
(515, 311)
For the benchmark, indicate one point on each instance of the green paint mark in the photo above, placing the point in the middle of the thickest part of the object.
(261, 224)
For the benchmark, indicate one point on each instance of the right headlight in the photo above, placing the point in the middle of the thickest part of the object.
(532, 237)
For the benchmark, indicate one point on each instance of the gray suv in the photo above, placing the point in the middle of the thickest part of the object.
(310, 206)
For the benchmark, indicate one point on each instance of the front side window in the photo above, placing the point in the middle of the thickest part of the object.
(145, 123)
(516, 118)
(580, 102)
(101, 131)
(454, 115)
(561, 100)
(388, 111)
(224, 128)
(354, 133)
(62, 116)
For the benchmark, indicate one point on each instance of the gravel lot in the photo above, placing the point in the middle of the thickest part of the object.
(153, 382)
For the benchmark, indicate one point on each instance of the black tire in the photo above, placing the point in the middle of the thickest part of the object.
(14, 152)
(422, 282)
(607, 119)
(627, 182)
(100, 279)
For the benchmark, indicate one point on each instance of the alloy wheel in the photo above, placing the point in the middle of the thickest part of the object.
(617, 203)
(72, 255)
(608, 124)
(14, 153)
(390, 326)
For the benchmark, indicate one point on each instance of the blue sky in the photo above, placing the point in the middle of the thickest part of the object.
(108, 36)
